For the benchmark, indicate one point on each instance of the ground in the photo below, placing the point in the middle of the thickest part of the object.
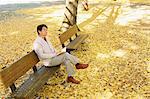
(117, 49)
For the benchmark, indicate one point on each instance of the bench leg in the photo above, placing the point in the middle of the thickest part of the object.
(13, 88)
(76, 35)
(70, 39)
(34, 69)
(63, 45)
(68, 50)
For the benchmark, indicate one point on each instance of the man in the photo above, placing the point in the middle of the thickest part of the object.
(48, 55)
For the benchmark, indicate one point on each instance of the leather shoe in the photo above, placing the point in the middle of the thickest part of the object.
(71, 79)
(81, 66)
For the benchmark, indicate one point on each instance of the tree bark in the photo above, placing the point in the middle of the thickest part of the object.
(85, 5)
(70, 15)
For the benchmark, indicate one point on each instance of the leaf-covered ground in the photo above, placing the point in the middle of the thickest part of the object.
(117, 50)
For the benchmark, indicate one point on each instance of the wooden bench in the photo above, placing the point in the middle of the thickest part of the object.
(68, 36)
(28, 89)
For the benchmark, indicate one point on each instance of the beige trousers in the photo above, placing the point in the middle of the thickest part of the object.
(68, 60)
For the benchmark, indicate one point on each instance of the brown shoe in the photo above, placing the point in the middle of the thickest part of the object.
(81, 66)
(71, 79)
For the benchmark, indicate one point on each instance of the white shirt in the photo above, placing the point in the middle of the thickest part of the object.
(44, 50)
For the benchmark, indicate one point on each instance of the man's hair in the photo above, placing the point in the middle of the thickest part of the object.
(39, 27)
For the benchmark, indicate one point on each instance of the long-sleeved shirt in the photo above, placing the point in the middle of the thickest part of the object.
(44, 50)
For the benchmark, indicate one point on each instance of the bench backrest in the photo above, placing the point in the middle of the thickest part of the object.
(68, 34)
(10, 74)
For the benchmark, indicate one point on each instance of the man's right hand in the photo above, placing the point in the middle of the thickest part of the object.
(64, 49)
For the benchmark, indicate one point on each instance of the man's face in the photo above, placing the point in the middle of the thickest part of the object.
(43, 32)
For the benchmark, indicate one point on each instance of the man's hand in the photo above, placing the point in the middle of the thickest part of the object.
(64, 49)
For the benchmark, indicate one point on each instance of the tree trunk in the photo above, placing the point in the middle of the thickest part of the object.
(85, 5)
(70, 15)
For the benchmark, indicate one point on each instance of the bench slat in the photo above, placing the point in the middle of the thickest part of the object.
(75, 43)
(68, 34)
(35, 82)
(9, 75)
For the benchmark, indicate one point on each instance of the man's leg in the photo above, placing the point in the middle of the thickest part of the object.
(63, 58)
(74, 60)
(69, 68)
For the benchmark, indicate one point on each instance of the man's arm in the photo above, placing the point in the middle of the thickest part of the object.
(39, 51)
